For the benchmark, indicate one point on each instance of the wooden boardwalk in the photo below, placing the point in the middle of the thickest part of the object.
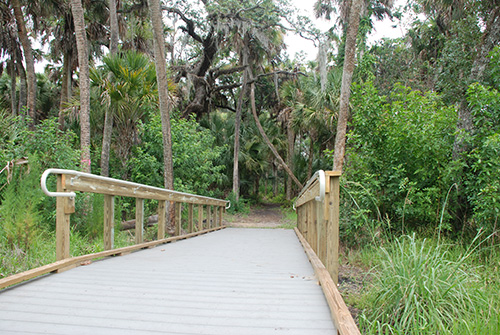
(233, 281)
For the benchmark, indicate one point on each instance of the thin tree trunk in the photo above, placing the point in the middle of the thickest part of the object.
(106, 142)
(113, 28)
(289, 157)
(345, 91)
(29, 61)
(108, 116)
(266, 139)
(22, 88)
(13, 101)
(84, 82)
(161, 77)
(237, 126)
(275, 180)
(310, 158)
(465, 125)
(64, 89)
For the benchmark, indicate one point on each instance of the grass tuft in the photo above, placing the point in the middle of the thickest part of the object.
(422, 288)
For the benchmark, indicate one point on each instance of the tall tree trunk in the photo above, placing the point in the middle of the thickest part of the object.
(275, 180)
(310, 158)
(22, 88)
(345, 90)
(113, 28)
(65, 88)
(108, 115)
(237, 126)
(465, 125)
(289, 157)
(12, 74)
(161, 77)
(29, 61)
(84, 82)
(266, 139)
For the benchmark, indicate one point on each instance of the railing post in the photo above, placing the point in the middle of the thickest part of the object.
(162, 218)
(178, 218)
(64, 207)
(220, 216)
(200, 217)
(321, 237)
(139, 220)
(109, 224)
(333, 203)
(209, 216)
(215, 216)
(190, 218)
(314, 226)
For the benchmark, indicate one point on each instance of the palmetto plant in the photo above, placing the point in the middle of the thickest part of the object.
(126, 85)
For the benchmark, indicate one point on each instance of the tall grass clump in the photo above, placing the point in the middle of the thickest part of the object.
(422, 288)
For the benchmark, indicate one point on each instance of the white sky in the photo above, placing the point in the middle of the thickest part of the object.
(297, 44)
(382, 29)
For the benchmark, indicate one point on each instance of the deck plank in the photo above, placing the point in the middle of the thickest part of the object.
(233, 281)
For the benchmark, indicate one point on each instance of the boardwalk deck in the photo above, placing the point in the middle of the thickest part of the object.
(234, 281)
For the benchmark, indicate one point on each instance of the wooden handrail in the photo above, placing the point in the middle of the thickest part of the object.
(317, 207)
(70, 181)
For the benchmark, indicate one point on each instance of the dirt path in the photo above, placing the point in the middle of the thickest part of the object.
(261, 216)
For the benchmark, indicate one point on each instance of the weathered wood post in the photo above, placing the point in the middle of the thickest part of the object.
(321, 236)
(200, 217)
(109, 224)
(139, 220)
(209, 216)
(221, 211)
(333, 204)
(178, 218)
(214, 224)
(162, 218)
(190, 218)
(64, 208)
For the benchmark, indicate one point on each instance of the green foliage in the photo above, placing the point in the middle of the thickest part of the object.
(240, 206)
(400, 148)
(422, 288)
(483, 186)
(19, 210)
(194, 154)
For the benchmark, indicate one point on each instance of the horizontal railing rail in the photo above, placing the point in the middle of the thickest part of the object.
(317, 207)
(210, 212)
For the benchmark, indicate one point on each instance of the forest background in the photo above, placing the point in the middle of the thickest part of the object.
(421, 172)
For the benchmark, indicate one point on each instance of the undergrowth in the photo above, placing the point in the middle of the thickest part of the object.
(425, 286)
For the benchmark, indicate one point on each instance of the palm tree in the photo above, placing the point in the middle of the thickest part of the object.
(161, 77)
(108, 118)
(84, 82)
(28, 59)
(350, 16)
(123, 87)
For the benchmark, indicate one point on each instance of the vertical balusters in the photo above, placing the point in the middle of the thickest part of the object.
(190, 218)
(65, 207)
(109, 225)
(139, 220)
(162, 218)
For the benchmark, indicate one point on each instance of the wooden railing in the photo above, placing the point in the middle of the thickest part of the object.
(317, 207)
(69, 182)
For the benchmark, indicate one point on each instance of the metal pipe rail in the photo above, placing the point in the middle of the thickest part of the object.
(69, 182)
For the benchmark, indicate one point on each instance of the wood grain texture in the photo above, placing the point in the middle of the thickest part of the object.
(109, 221)
(340, 313)
(139, 220)
(231, 282)
(119, 188)
(33, 273)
